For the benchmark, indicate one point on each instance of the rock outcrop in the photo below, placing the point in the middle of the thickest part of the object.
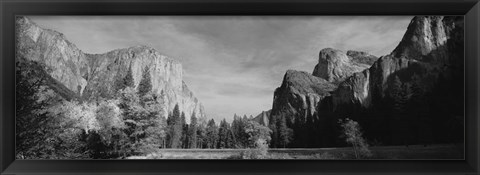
(89, 76)
(335, 65)
(299, 94)
(362, 57)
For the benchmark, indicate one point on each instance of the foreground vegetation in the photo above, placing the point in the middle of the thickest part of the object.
(450, 151)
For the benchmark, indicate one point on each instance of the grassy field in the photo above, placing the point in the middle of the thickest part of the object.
(450, 151)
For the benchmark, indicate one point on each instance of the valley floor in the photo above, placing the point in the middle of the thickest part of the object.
(445, 151)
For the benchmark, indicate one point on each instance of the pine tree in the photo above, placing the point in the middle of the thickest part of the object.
(133, 114)
(238, 127)
(145, 85)
(201, 136)
(175, 128)
(236, 130)
(211, 134)
(184, 138)
(192, 132)
(223, 134)
(230, 138)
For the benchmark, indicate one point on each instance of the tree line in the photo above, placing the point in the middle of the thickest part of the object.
(131, 123)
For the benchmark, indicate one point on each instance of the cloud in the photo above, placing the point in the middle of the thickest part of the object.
(234, 63)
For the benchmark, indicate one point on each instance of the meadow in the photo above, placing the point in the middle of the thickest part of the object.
(445, 151)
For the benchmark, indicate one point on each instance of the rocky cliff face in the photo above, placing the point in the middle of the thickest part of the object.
(299, 94)
(357, 84)
(425, 36)
(335, 65)
(431, 46)
(88, 76)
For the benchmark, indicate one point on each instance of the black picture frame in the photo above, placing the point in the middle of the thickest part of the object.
(9, 8)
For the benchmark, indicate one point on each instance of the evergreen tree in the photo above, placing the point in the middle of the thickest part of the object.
(223, 134)
(235, 129)
(184, 138)
(192, 132)
(145, 85)
(238, 127)
(155, 123)
(129, 102)
(201, 136)
(211, 134)
(175, 128)
(139, 114)
(230, 143)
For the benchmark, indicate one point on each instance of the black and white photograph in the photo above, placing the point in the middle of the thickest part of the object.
(240, 87)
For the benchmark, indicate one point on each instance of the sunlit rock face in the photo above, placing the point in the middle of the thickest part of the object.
(90, 76)
(428, 35)
(299, 94)
(334, 65)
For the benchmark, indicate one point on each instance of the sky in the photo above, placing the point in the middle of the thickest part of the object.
(233, 64)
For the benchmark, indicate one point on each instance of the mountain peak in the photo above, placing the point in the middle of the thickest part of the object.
(335, 65)
(425, 34)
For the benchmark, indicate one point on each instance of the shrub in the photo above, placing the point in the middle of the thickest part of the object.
(259, 152)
